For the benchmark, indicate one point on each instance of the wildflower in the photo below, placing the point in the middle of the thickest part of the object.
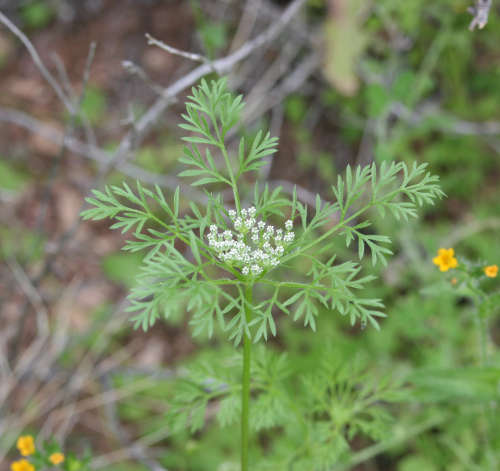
(56, 458)
(253, 246)
(491, 271)
(26, 445)
(22, 465)
(445, 259)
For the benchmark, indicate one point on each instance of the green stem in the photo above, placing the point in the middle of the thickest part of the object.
(222, 146)
(231, 176)
(331, 231)
(483, 335)
(488, 409)
(477, 297)
(245, 392)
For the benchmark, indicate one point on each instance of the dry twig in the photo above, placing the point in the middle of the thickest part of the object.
(480, 12)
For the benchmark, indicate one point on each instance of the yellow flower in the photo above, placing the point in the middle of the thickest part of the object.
(26, 445)
(445, 259)
(56, 458)
(491, 271)
(22, 465)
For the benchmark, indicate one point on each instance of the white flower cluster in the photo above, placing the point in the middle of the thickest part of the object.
(254, 245)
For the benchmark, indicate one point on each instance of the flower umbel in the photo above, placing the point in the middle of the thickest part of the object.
(445, 259)
(26, 445)
(254, 245)
(491, 271)
(22, 465)
(56, 458)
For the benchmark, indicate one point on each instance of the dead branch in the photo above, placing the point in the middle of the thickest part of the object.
(38, 62)
(480, 12)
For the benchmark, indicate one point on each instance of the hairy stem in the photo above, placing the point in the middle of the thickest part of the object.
(245, 392)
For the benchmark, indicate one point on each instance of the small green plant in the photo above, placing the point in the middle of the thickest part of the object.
(476, 282)
(46, 456)
(231, 265)
(472, 280)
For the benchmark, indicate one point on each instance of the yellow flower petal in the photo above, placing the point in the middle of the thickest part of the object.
(56, 458)
(22, 465)
(491, 271)
(26, 445)
(445, 259)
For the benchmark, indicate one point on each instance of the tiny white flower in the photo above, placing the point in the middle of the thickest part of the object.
(256, 269)
(251, 255)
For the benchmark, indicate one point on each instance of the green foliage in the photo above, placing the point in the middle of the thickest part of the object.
(213, 35)
(184, 269)
(308, 415)
(295, 108)
(12, 178)
(37, 14)
(421, 79)
(50, 455)
(122, 267)
(20, 244)
(94, 104)
(168, 279)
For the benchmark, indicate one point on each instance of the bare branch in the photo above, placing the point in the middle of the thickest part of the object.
(38, 62)
(480, 12)
(221, 66)
(177, 52)
(291, 83)
(247, 21)
(451, 124)
(32, 294)
(94, 153)
(135, 69)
